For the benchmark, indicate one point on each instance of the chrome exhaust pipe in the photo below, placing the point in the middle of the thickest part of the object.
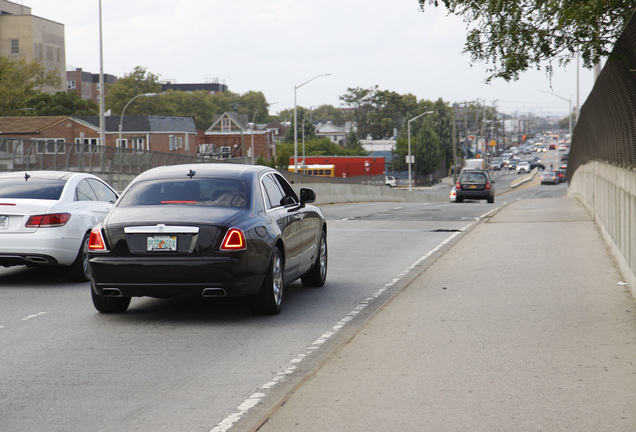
(213, 292)
(111, 292)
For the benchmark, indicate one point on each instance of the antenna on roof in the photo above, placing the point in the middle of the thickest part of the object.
(26, 176)
(191, 173)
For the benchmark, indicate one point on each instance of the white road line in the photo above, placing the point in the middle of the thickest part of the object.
(33, 316)
(256, 397)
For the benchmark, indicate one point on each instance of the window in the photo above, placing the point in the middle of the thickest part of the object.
(272, 192)
(179, 142)
(102, 192)
(91, 144)
(225, 152)
(71, 85)
(50, 146)
(15, 46)
(122, 143)
(137, 143)
(225, 124)
(172, 142)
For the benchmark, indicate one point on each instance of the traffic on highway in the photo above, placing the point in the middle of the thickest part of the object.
(200, 364)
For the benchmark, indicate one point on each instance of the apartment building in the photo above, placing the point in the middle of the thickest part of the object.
(24, 36)
(86, 84)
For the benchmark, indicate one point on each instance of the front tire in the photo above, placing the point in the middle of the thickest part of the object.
(269, 301)
(318, 273)
(109, 304)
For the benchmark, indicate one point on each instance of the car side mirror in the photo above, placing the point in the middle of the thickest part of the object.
(307, 196)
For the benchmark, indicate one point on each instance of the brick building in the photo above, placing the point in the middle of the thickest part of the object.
(232, 136)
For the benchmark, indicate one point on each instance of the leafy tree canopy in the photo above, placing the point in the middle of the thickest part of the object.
(514, 36)
(19, 81)
(61, 103)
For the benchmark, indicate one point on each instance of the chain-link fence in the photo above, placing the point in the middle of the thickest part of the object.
(606, 130)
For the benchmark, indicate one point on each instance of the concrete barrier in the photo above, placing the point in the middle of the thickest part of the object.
(609, 193)
(332, 193)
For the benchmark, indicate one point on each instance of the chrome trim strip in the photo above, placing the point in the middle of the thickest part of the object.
(161, 228)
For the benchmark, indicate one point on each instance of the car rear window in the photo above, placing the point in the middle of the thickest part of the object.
(48, 189)
(473, 177)
(205, 191)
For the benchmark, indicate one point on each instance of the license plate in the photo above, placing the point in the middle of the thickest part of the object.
(472, 187)
(4, 222)
(162, 243)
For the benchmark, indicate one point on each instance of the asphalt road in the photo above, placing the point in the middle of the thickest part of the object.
(174, 364)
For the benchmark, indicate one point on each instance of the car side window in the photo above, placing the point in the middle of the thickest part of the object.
(273, 192)
(84, 192)
(290, 194)
(103, 192)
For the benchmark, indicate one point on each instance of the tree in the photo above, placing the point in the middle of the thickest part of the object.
(19, 81)
(139, 81)
(61, 103)
(428, 154)
(514, 36)
(303, 123)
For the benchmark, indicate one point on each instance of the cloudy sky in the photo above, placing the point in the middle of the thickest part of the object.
(274, 45)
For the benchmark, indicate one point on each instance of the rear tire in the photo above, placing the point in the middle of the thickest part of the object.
(269, 301)
(109, 304)
(79, 270)
(491, 200)
(318, 273)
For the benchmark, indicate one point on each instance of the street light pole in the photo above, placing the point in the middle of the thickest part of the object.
(569, 101)
(121, 119)
(409, 134)
(296, 119)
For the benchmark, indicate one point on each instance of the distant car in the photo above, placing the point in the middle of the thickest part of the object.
(46, 218)
(560, 173)
(208, 230)
(453, 194)
(523, 167)
(563, 147)
(496, 164)
(549, 178)
(473, 184)
(542, 148)
(390, 181)
(512, 164)
(551, 147)
(536, 163)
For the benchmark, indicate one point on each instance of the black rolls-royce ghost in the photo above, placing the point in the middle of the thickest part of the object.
(208, 230)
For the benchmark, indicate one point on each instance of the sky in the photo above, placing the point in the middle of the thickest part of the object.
(276, 46)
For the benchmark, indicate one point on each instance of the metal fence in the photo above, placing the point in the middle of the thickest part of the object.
(17, 154)
(606, 129)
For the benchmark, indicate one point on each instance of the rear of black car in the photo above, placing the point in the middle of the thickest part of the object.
(164, 240)
(475, 185)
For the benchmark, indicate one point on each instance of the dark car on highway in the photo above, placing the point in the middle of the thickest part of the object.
(208, 230)
(560, 173)
(476, 185)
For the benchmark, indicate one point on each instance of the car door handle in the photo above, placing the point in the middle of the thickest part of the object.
(299, 216)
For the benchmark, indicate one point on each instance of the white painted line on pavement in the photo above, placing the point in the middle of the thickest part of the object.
(33, 316)
(255, 398)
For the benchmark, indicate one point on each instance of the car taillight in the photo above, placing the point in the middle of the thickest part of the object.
(48, 220)
(96, 241)
(234, 240)
(458, 186)
(487, 185)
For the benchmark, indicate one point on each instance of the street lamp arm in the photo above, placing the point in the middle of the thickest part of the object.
(310, 80)
(556, 95)
(121, 118)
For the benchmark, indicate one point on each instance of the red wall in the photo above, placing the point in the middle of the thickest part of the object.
(348, 166)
